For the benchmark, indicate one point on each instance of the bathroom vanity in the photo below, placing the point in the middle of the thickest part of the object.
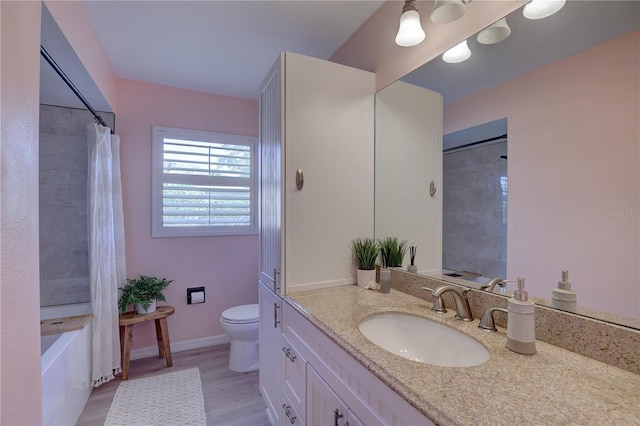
(554, 386)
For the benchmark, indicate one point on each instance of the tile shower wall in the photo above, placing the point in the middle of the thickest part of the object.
(475, 210)
(64, 265)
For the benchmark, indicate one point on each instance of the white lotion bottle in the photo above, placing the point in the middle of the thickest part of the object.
(521, 324)
(563, 297)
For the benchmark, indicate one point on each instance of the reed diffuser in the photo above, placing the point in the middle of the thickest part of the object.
(412, 257)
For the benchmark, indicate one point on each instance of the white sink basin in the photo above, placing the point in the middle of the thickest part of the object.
(422, 340)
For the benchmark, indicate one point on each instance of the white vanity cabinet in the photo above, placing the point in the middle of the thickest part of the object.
(336, 381)
(316, 172)
(270, 374)
(316, 148)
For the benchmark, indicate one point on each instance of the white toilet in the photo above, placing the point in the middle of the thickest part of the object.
(240, 323)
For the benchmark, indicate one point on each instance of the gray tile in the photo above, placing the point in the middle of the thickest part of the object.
(55, 120)
(64, 291)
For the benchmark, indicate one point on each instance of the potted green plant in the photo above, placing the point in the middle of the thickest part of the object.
(393, 250)
(366, 251)
(142, 292)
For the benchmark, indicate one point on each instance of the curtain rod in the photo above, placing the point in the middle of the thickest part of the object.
(69, 83)
(475, 143)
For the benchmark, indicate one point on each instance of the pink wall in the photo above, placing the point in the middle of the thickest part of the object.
(226, 266)
(573, 167)
(372, 47)
(74, 23)
(19, 270)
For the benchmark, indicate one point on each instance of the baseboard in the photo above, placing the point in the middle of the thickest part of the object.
(186, 345)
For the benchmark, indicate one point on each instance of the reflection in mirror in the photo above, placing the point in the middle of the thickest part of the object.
(474, 214)
(568, 85)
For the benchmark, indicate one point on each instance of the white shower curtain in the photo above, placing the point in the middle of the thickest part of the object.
(107, 269)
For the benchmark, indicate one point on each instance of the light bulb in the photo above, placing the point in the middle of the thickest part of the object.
(410, 32)
(445, 11)
(497, 32)
(458, 53)
(539, 9)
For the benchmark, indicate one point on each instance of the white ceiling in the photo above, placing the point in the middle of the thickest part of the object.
(223, 47)
(227, 47)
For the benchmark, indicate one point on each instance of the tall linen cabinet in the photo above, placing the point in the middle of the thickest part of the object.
(316, 147)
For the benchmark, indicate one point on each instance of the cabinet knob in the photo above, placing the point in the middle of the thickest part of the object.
(299, 179)
(276, 321)
(287, 412)
(432, 189)
(336, 416)
(288, 354)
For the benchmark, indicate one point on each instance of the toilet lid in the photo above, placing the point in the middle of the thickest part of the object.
(241, 314)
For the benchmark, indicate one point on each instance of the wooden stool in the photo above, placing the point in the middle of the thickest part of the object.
(162, 334)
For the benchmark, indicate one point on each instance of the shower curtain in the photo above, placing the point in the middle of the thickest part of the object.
(106, 250)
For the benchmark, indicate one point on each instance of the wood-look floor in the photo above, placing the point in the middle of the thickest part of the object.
(229, 398)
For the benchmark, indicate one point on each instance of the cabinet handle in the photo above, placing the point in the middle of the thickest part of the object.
(287, 412)
(299, 179)
(288, 354)
(432, 189)
(336, 416)
(276, 321)
(275, 280)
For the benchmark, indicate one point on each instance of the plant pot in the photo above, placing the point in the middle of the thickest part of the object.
(140, 310)
(365, 276)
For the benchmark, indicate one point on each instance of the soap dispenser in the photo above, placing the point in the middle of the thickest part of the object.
(521, 325)
(563, 297)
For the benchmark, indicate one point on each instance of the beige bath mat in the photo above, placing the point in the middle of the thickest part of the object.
(167, 399)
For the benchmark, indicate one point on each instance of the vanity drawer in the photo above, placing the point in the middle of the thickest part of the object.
(289, 415)
(294, 377)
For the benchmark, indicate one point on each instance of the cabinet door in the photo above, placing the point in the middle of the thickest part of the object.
(270, 182)
(294, 376)
(324, 407)
(270, 374)
(329, 137)
(352, 419)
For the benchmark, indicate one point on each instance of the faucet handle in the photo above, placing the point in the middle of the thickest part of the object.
(486, 322)
(438, 305)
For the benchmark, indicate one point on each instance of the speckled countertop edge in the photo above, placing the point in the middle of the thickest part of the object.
(554, 386)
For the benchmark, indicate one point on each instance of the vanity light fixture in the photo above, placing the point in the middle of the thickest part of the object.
(445, 11)
(410, 31)
(495, 33)
(538, 9)
(458, 53)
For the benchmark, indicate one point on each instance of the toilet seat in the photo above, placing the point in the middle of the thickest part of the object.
(244, 314)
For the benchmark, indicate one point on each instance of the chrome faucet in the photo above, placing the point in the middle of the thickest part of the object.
(492, 284)
(463, 310)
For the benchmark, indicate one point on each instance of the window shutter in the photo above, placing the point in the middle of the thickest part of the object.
(207, 183)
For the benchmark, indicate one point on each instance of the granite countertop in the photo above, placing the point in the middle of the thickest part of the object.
(554, 386)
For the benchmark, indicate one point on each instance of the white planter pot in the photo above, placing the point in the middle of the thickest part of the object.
(365, 276)
(140, 310)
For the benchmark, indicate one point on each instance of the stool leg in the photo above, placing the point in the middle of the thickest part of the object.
(159, 339)
(126, 350)
(165, 340)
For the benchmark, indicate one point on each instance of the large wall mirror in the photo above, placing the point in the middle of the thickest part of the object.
(567, 90)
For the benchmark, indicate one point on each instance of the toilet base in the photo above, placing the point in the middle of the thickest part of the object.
(243, 356)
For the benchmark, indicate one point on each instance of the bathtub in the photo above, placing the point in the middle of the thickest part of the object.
(66, 368)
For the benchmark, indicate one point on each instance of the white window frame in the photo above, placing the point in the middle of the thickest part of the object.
(157, 171)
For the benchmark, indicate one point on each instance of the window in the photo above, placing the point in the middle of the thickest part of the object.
(204, 184)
